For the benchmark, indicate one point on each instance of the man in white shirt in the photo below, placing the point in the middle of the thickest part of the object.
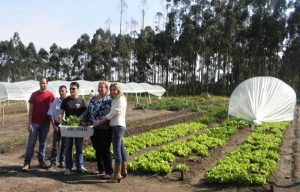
(54, 112)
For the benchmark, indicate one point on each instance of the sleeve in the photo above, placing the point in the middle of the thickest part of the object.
(31, 98)
(52, 108)
(63, 104)
(116, 108)
(84, 108)
(85, 116)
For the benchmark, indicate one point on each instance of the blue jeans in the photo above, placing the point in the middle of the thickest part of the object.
(118, 144)
(79, 154)
(57, 148)
(41, 131)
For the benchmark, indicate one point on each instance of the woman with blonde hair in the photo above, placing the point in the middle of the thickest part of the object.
(116, 116)
(99, 106)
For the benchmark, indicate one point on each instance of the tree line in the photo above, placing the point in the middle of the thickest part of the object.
(197, 46)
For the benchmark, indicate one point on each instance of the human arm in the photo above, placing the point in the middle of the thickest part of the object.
(117, 110)
(52, 113)
(29, 128)
(55, 127)
(61, 116)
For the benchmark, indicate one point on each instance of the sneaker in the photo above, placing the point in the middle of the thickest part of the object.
(98, 172)
(68, 172)
(43, 165)
(25, 168)
(52, 168)
(82, 170)
(107, 176)
(62, 165)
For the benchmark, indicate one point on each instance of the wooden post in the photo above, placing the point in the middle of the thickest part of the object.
(182, 173)
(2, 114)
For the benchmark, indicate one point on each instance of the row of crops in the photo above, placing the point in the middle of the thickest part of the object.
(159, 136)
(205, 102)
(251, 163)
(162, 159)
(255, 160)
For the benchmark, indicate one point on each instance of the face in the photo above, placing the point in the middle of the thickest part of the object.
(113, 91)
(102, 89)
(73, 90)
(43, 84)
(63, 92)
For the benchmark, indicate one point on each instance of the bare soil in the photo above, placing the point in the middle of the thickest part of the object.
(287, 178)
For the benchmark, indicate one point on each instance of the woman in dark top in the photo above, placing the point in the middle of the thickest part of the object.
(99, 106)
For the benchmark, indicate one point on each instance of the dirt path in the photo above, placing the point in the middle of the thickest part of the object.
(13, 179)
(287, 178)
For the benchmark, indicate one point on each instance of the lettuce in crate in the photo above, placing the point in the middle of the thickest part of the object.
(71, 120)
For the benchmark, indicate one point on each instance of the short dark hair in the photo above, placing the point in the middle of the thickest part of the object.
(62, 86)
(44, 78)
(74, 83)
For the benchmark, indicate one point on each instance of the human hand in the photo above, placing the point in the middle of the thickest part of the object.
(96, 123)
(85, 124)
(29, 128)
(56, 128)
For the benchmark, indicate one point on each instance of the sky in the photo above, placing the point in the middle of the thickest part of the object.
(45, 22)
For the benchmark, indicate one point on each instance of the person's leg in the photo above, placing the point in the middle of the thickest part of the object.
(124, 160)
(68, 152)
(123, 150)
(96, 141)
(62, 156)
(43, 133)
(105, 151)
(79, 154)
(31, 143)
(117, 138)
(55, 147)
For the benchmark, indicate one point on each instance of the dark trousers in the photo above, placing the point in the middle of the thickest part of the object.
(58, 146)
(101, 141)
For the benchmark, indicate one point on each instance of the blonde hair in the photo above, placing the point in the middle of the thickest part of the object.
(118, 87)
(105, 83)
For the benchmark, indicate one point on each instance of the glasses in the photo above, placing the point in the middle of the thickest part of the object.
(72, 89)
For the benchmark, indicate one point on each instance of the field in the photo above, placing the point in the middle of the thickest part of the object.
(140, 121)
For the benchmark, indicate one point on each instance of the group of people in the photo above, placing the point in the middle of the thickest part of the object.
(105, 112)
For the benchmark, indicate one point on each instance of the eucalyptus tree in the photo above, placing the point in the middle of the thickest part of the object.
(160, 57)
(43, 59)
(144, 53)
(31, 63)
(102, 56)
(170, 51)
(290, 69)
(237, 21)
(123, 51)
(54, 62)
(123, 9)
(66, 63)
(4, 57)
(81, 56)
(265, 35)
(188, 45)
(143, 11)
(13, 52)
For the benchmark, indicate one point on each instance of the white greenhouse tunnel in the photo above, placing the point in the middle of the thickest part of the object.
(263, 99)
(21, 91)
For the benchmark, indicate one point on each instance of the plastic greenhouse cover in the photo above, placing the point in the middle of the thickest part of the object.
(23, 89)
(263, 99)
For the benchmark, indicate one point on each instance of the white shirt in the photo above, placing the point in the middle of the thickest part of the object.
(54, 109)
(117, 111)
